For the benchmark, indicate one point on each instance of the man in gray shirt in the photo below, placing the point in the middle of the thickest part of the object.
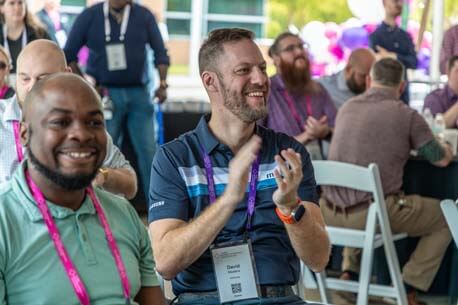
(38, 59)
(351, 81)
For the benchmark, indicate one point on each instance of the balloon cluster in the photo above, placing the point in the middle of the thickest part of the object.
(330, 43)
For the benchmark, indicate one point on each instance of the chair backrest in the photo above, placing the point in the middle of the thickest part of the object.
(356, 177)
(348, 175)
(450, 211)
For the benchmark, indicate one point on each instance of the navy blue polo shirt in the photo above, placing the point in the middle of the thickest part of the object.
(179, 190)
(142, 29)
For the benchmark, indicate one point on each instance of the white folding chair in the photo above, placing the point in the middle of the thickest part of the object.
(376, 234)
(450, 211)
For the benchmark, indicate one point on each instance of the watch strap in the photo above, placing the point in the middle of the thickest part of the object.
(288, 219)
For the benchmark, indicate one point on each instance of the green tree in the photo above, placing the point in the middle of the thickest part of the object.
(300, 12)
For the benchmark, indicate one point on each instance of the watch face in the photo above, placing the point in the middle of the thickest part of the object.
(298, 213)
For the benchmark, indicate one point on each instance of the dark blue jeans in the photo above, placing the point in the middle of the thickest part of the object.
(133, 108)
(213, 299)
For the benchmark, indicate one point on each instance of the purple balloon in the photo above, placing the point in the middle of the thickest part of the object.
(424, 58)
(354, 38)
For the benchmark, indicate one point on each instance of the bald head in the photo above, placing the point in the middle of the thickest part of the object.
(362, 56)
(42, 51)
(38, 59)
(358, 68)
(64, 132)
(59, 84)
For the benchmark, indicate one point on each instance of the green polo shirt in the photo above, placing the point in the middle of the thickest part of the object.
(30, 269)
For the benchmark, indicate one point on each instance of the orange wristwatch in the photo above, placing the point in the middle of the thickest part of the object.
(295, 215)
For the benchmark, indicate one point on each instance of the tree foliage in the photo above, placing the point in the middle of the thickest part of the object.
(300, 12)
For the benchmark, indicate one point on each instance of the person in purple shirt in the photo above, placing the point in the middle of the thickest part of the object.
(297, 105)
(449, 47)
(444, 100)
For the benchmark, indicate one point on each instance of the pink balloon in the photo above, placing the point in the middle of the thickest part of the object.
(332, 30)
(370, 27)
(336, 51)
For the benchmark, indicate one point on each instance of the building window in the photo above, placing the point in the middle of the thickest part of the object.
(236, 7)
(178, 17)
(248, 14)
(179, 6)
(74, 2)
(256, 28)
(179, 27)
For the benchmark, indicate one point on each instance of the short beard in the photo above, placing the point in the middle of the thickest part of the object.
(354, 87)
(296, 79)
(69, 183)
(237, 104)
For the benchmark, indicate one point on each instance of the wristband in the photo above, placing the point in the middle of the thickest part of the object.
(295, 215)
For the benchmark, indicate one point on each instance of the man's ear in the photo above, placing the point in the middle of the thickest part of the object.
(210, 81)
(402, 87)
(24, 133)
(368, 81)
(276, 60)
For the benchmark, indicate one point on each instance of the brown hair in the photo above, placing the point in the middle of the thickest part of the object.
(451, 62)
(274, 48)
(29, 20)
(4, 53)
(388, 72)
(212, 48)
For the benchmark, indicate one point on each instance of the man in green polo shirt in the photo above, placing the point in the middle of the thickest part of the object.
(61, 241)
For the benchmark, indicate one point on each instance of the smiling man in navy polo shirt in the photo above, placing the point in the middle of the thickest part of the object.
(233, 204)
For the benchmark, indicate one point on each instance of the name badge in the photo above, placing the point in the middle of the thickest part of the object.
(116, 56)
(235, 271)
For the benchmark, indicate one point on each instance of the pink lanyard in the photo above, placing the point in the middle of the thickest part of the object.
(70, 269)
(292, 108)
(20, 154)
(3, 91)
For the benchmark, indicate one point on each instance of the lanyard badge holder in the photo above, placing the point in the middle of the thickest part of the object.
(235, 271)
(234, 263)
(116, 52)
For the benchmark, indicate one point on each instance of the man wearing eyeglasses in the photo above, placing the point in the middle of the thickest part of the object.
(298, 106)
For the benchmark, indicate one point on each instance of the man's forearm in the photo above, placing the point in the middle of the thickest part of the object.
(451, 117)
(121, 181)
(150, 296)
(176, 248)
(162, 70)
(310, 239)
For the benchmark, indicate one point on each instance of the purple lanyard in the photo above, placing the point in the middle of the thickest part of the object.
(72, 273)
(253, 181)
(292, 108)
(20, 154)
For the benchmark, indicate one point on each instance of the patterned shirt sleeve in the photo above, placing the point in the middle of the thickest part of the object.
(433, 102)
(420, 133)
(449, 47)
(168, 196)
(114, 157)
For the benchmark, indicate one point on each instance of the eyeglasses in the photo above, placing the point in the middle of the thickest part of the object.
(3, 65)
(292, 47)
